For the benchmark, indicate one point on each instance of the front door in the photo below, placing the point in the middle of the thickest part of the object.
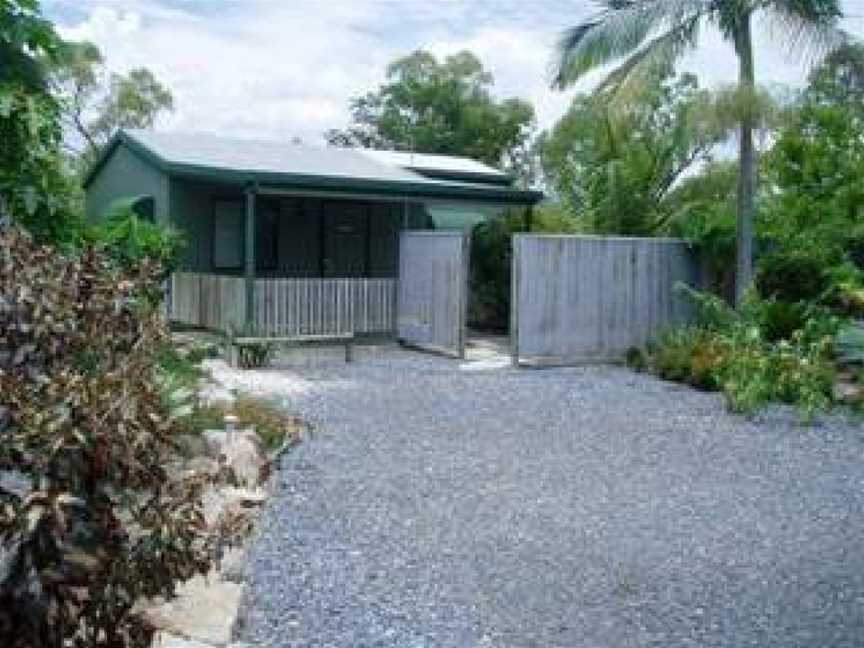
(345, 239)
(433, 289)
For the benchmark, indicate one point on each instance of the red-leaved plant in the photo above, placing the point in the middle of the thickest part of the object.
(97, 522)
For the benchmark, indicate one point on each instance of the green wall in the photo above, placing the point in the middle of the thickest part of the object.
(125, 174)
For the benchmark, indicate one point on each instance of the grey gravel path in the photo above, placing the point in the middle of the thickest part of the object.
(570, 507)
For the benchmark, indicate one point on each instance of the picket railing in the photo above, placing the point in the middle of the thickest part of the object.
(285, 307)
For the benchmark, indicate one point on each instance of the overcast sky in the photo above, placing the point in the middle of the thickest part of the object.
(286, 68)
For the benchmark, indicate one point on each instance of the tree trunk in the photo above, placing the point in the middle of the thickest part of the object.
(746, 159)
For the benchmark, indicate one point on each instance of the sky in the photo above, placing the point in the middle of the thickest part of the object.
(280, 69)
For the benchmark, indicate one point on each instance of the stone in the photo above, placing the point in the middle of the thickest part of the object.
(848, 392)
(218, 501)
(204, 465)
(204, 611)
(165, 640)
(242, 453)
(232, 565)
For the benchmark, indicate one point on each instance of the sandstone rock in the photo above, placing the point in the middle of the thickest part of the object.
(232, 566)
(219, 500)
(848, 392)
(204, 611)
(202, 465)
(165, 640)
(242, 452)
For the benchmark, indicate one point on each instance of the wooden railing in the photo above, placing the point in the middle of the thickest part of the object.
(285, 306)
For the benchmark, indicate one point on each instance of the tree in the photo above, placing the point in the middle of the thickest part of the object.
(615, 168)
(33, 185)
(816, 170)
(25, 38)
(637, 35)
(96, 103)
(440, 107)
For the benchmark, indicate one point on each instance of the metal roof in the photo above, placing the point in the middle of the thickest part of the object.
(284, 164)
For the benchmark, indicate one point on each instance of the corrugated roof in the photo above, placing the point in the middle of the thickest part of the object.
(205, 150)
(302, 167)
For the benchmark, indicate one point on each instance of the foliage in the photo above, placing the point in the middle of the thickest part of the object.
(441, 107)
(616, 167)
(731, 350)
(96, 103)
(129, 239)
(83, 418)
(25, 37)
(33, 183)
(490, 271)
(814, 215)
(638, 37)
(703, 208)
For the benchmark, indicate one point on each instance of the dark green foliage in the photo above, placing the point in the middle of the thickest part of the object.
(636, 359)
(792, 276)
(441, 107)
(491, 261)
(34, 185)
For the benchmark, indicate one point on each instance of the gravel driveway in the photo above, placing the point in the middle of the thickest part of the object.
(596, 507)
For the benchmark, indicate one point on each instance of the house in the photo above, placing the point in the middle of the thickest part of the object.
(284, 238)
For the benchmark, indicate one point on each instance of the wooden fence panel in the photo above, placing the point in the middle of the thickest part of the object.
(433, 288)
(286, 307)
(582, 299)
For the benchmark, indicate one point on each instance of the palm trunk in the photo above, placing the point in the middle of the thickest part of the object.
(746, 160)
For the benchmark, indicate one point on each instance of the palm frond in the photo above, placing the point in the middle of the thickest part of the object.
(617, 31)
(641, 69)
(810, 29)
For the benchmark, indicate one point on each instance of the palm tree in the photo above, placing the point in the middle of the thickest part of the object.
(639, 35)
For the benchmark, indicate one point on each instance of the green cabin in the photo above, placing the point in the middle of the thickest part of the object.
(286, 238)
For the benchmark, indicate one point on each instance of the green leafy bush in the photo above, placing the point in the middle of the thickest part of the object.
(792, 276)
(130, 238)
(729, 350)
(84, 418)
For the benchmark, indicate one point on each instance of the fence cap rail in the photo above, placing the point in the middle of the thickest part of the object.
(604, 239)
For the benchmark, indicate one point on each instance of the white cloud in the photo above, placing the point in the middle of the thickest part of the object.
(280, 69)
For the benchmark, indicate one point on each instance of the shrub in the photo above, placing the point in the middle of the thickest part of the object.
(129, 239)
(83, 419)
(729, 350)
(792, 277)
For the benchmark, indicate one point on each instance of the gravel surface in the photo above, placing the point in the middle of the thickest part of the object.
(587, 507)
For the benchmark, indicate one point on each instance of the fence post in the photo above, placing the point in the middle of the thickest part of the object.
(515, 272)
(249, 266)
